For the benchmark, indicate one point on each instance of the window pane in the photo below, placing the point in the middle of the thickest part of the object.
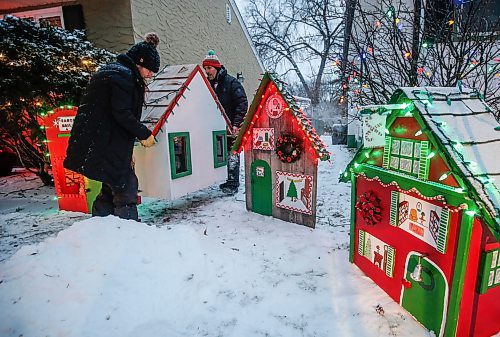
(395, 163)
(219, 155)
(54, 21)
(407, 149)
(180, 154)
(396, 144)
(416, 153)
(416, 167)
(405, 165)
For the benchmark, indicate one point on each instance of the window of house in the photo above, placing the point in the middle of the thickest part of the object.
(490, 271)
(46, 16)
(407, 156)
(180, 154)
(68, 17)
(220, 148)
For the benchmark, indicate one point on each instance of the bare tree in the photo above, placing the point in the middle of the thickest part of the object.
(439, 44)
(299, 36)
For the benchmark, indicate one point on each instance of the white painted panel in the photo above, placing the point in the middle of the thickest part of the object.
(197, 114)
(152, 167)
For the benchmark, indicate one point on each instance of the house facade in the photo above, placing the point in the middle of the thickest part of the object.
(190, 129)
(282, 150)
(425, 216)
(187, 28)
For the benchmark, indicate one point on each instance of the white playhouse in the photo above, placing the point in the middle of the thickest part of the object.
(190, 128)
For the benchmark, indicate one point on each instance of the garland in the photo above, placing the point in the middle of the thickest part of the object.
(369, 206)
(288, 148)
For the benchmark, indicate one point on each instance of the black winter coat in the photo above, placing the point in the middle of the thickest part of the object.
(107, 124)
(232, 96)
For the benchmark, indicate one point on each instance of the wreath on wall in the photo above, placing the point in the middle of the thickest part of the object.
(288, 148)
(369, 206)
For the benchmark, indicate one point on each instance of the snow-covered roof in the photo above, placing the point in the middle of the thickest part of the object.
(465, 126)
(165, 90)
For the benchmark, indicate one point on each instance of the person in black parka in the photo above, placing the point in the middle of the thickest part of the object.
(107, 124)
(233, 99)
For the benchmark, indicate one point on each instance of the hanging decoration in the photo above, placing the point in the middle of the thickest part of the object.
(294, 192)
(288, 148)
(275, 105)
(369, 206)
(263, 139)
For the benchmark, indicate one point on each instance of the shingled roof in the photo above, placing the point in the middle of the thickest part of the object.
(166, 90)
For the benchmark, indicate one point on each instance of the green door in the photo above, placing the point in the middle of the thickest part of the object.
(426, 299)
(261, 181)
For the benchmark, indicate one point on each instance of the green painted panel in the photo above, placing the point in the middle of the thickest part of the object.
(219, 140)
(361, 243)
(393, 220)
(261, 182)
(425, 300)
(387, 152)
(490, 268)
(92, 190)
(351, 141)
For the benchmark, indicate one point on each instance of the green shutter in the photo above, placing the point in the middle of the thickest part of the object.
(215, 136)
(361, 243)
(423, 172)
(389, 267)
(394, 208)
(443, 231)
(174, 174)
(490, 266)
(387, 152)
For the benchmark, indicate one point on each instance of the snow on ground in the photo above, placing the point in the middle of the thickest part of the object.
(197, 266)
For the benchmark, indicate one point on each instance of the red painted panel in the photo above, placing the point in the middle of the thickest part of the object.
(469, 294)
(486, 321)
(402, 241)
(488, 311)
(437, 168)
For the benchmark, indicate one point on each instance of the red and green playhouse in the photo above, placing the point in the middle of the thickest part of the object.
(425, 215)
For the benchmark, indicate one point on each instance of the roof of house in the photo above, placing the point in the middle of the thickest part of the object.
(468, 135)
(295, 111)
(166, 89)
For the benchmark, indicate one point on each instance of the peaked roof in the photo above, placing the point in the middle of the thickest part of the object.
(294, 109)
(467, 133)
(166, 89)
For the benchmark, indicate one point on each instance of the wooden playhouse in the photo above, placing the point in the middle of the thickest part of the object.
(190, 128)
(282, 150)
(425, 215)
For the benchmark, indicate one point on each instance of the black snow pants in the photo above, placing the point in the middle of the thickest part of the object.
(119, 201)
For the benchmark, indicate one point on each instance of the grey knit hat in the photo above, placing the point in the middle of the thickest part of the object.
(145, 54)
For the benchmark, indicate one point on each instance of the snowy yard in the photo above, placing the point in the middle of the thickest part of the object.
(198, 266)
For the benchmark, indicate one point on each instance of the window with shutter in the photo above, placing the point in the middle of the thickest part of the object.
(407, 156)
(489, 276)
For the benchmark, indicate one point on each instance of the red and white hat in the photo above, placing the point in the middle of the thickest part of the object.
(211, 60)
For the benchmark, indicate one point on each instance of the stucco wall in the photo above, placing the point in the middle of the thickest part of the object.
(188, 28)
(109, 23)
